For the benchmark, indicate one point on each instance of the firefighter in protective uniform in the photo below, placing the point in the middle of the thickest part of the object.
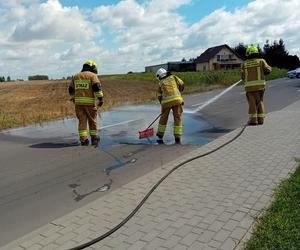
(86, 91)
(254, 70)
(169, 95)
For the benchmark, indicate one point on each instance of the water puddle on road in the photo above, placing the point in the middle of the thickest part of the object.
(117, 126)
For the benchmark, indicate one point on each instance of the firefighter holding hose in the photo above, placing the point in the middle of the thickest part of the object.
(254, 69)
(85, 88)
(169, 96)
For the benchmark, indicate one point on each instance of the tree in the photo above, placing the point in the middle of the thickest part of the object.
(8, 79)
(292, 62)
(277, 55)
(38, 77)
(240, 50)
(2, 79)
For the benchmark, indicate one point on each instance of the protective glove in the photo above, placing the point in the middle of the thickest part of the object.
(100, 103)
(182, 104)
(267, 72)
(159, 99)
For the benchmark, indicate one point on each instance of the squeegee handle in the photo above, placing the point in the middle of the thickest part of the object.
(154, 121)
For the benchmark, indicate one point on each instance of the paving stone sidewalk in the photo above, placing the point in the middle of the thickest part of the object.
(210, 203)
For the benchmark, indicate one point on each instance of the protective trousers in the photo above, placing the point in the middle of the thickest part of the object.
(256, 106)
(86, 114)
(177, 114)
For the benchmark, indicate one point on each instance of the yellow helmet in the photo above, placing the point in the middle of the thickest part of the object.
(252, 50)
(92, 65)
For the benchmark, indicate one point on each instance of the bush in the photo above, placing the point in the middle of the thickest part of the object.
(277, 73)
(38, 77)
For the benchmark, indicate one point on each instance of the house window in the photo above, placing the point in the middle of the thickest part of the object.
(204, 67)
(218, 57)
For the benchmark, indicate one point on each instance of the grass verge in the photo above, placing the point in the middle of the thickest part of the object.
(279, 228)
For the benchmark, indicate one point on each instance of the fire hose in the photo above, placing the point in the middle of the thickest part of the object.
(124, 221)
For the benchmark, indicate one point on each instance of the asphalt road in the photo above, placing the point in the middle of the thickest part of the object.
(43, 177)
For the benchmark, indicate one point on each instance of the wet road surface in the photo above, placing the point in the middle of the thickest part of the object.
(42, 168)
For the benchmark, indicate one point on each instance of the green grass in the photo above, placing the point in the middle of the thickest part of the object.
(279, 228)
(190, 78)
(206, 78)
(134, 76)
(277, 73)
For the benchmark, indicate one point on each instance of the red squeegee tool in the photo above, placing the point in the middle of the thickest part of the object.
(148, 132)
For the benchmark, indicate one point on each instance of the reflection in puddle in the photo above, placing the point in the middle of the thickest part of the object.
(119, 133)
(118, 126)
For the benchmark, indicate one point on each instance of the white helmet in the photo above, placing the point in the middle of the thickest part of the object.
(161, 73)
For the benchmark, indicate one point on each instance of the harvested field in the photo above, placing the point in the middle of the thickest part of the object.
(23, 103)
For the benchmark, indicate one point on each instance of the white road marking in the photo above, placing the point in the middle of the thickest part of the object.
(197, 104)
(298, 90)
(120, 123)
(31, 126)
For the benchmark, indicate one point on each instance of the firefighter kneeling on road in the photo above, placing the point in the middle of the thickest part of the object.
(254, 70)
(169, 95)
(85, 89)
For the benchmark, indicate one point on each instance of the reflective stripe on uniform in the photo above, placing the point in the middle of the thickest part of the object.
(261, 115)
(251, 64)
(167, 99)
(161, 128)
(258, 74)
(83, 133)
(84, 100)
(255, 85)
(254, 115)
(99, 94)
(178, 130)
(93, 132)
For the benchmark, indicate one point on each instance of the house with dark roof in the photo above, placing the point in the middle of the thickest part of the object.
(219, 57)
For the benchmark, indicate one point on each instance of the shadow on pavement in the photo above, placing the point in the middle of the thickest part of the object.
(54, 145)
(217, 130)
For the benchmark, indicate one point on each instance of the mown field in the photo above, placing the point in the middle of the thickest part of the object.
(29, 102)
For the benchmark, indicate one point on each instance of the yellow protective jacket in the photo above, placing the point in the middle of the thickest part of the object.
(253, 74)
(87, 88)
(169, 90)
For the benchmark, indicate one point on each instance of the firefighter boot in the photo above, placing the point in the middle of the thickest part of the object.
(95, 140)
(177, 140)
(85, 142)
(160, 139)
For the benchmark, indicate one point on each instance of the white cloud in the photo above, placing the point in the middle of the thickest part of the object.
(48, 38)
(147, 31)
(154, 32)
(255, 23)
(51, 21)
(44, 38)
(158, 5)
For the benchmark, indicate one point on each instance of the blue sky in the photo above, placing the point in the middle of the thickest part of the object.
(201, 8)
(191, 12)
(55, 37)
